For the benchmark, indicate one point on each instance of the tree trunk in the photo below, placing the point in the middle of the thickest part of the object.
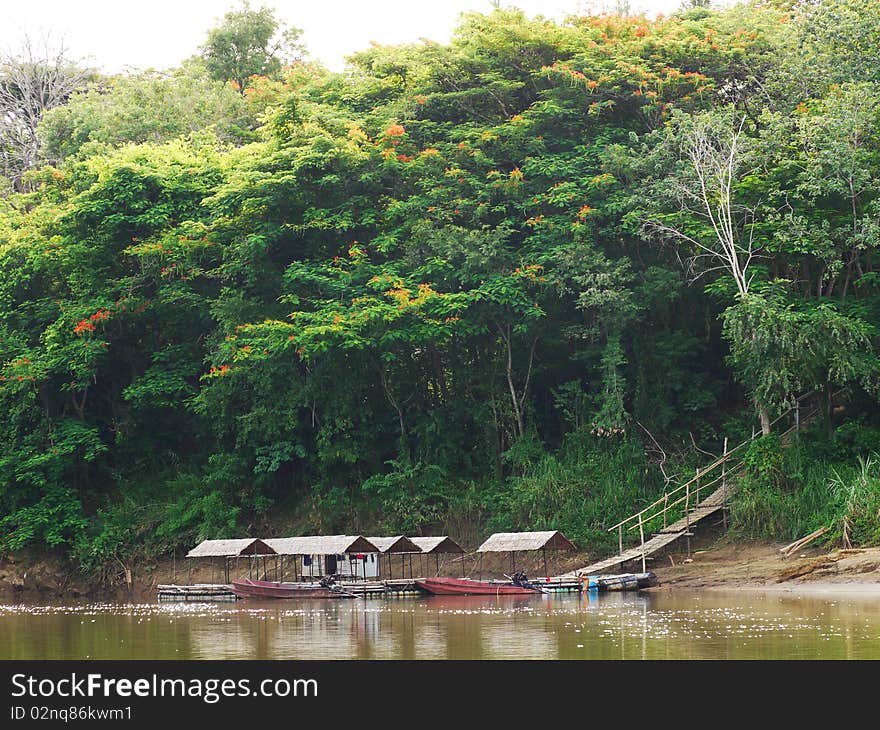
(765, 420)
(828, 408)
(515, 402)
(393, 401)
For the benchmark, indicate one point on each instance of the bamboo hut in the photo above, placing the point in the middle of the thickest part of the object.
(249, 547)
(514, 542)
(398, 544)
(351, 556)
(438, 546)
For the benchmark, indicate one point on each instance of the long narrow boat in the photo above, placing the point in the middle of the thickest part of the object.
(246, 588)
(468, 587)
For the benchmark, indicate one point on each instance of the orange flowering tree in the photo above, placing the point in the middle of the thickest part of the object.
(422, 292)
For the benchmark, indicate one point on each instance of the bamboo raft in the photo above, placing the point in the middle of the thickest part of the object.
(397, 588)
(620, 582)
(196, 592)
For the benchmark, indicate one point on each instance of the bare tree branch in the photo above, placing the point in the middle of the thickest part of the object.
(715, 161)
(32, 81)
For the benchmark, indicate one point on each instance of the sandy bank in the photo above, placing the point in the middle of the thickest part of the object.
(729, 565)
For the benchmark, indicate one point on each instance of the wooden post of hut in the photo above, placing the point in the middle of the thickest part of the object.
(544, 553)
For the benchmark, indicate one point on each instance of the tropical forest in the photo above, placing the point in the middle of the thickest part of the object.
(527, 279)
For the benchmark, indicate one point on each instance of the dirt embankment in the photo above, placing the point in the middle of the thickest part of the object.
(726, 565)
(30, 576)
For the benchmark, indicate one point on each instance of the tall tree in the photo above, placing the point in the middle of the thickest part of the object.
(249, 43)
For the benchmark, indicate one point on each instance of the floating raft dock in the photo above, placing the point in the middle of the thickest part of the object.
(196, 592)
(620, 582)
(222, 592)
(557, 585)
(397, 588)
(402, 587)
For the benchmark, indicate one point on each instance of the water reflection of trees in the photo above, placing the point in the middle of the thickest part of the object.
(656, 625)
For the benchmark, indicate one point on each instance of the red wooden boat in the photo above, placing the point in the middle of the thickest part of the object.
(246, 588)
(468, 587)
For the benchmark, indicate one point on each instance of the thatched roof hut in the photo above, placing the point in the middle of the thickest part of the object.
(230, 548)
(435, 545)
(502, 542)
(321, 545)
(397, 544)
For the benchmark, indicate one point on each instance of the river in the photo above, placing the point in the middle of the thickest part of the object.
(650, 625)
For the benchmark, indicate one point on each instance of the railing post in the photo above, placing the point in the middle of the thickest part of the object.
(642, 536)
(797, 415)
(724, 486)
(687, 517)
(665, 507)
(620, 538)
(698, 486)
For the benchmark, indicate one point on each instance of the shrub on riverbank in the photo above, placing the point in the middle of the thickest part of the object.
(786, 493)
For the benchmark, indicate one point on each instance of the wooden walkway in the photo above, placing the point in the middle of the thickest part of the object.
(660, 540)
(688, 496)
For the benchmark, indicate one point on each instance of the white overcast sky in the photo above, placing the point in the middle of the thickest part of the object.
(116, 34)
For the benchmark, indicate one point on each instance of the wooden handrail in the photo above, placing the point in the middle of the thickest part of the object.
(682, 499)
(714, 465)
(700, 474)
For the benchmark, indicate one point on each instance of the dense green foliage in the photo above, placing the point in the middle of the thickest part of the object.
(502, 283)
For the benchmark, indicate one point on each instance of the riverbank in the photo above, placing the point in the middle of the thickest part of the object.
(727, 565)
(720, 564)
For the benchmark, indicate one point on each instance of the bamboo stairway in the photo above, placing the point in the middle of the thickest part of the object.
(687, 497)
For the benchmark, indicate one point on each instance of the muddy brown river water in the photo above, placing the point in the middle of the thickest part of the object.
(650, 625)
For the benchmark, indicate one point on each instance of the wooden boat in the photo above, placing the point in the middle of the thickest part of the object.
(246, 588)
(468, 587)
(620, 582)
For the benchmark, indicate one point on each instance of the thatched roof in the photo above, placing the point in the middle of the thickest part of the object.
(321, 545)
(398, 544)
(230, 548)
(437, 544)
(502, 542)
